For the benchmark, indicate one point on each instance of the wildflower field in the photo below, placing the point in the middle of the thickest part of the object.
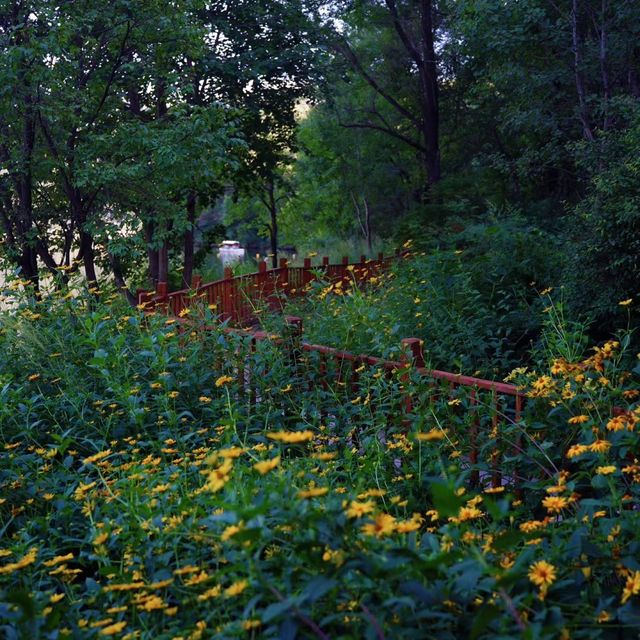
(163, 482)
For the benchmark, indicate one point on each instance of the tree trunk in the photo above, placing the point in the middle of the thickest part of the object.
(273, 226)
(367, 223)
(163, 262)
(429, 96)
(118, 277)
(152, 254)
(187, 272)
(88, 259)
(577, 69)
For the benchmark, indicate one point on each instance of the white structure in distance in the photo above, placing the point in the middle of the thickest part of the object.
(230, 252)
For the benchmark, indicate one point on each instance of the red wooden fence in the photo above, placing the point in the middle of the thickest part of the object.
(330, 368)
(236, 298)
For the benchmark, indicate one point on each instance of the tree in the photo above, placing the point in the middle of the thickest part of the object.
(405, 41)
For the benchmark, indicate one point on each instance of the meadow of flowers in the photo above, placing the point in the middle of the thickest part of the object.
(163, 482)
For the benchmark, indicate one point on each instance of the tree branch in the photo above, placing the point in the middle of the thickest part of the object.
(402, 33)
(350, 55)
(391, 132)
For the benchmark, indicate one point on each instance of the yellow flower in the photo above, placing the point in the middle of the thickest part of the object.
(214, 592)
(325, 456)
(190, 568)
(290, 437)
(578, 419)
(407, 526)
(603, 616)
(198, 578)
(222, 380)
(625, 303)
(114, 628)
(314, 492)
(372, 493)
(204, 399)
(543, 575)
(600, 446)
(236, 588)
(266, 465)
(359, 509)
(577, 450)
(606, 470)
(58, 560)
(336, 556)
(433, 434)
(100, 538)
(230, 531)
(230, 452)
(25, 561)
(247, 625)
(383, 524)
(632, 587)
(219, 476)
(555, 504)
(97, 457)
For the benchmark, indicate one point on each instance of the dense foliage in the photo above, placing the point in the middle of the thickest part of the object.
(162, 480)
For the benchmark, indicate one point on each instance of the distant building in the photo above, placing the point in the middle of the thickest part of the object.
(230, 252)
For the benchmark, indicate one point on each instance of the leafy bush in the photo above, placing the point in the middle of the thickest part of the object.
(159, 480)
(476, 313)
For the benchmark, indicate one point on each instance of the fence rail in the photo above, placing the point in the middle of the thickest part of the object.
(236, 298)
(492, 409)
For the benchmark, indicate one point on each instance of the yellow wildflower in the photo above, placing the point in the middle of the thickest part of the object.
(433, 434)
(606, 470)
(96, 457)
(219, 476)
(114, 628)
(383, 524)
(555, 504)
(265, 466)
(314, 492)
(236, 588)
(632, 587)
(359, 509)
(290, 437)
(25, 561)
(543, 575)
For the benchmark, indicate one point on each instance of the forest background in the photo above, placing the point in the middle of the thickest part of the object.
(506, 130)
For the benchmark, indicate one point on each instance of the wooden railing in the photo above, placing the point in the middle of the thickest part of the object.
(489, 407)
(236, 298)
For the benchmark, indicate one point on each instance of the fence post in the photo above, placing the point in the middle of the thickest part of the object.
(142, 296)
(414, 347)
(162, 291)
(227, 301)
(325, 261)
(306, 273)
(294, 337)
(196, 281)
(413, 357)
(283, 277)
